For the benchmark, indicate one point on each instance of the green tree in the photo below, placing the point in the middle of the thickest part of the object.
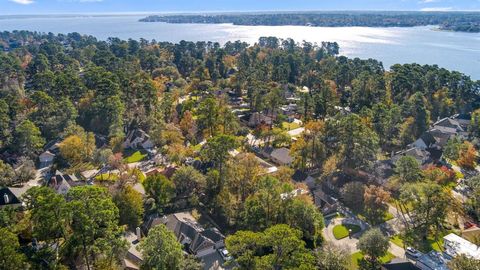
(452, 148)
(331, 257)
(159, 189)
(161, 250)
(288, 249)
(418, 110)
(5, 131)
(244, 247)
(473, 128)
(7, 174)
(373, 245)
(208, 115)
(278, 247)
(463, 262)
(407, 169)
(216, 150)
(28, 138)
(10, 256)
(130, 205)
(431, 203)
(302, 214)
(188, 181)
(94, 225)
(50, 218)
(359, 143)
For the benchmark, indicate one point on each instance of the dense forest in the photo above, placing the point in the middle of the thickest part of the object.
(453, 21)
(88, 94)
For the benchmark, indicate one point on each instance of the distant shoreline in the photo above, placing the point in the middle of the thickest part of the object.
(468, 22)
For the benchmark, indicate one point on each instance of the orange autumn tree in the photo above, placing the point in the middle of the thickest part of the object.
(467, 156)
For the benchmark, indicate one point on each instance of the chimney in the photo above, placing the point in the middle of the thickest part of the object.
(139, 233)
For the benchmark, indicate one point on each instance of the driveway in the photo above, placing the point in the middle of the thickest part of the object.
(347, 242)
(351, 243)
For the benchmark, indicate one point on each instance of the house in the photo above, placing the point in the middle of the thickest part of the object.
(207, 244)
(449, 123)
(294, 193)
(301, 177)
(472, 234)
(399, 264)
(257, 118)
(138, 139)
(455, 245)
(432, 261)
(280, 156)
(296, 132)
(421, 155)
(134, 258)
(453, 126)
(10, 196)
(425, 141)
(62, 183)
(324, 202)
(46, 159)
(463, 119)
(167, 172)
(382, 170)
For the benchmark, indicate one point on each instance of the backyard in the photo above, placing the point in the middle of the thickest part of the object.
(132, 156)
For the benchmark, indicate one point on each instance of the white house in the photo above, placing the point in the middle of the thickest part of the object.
(455, 245)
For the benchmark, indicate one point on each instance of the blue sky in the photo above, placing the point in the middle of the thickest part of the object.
(152, 6)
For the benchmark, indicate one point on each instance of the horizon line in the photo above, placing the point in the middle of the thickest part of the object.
(231, 11)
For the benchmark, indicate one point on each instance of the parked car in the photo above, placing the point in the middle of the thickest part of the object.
(412, 253)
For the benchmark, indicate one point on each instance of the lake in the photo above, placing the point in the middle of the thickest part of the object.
(423, 45)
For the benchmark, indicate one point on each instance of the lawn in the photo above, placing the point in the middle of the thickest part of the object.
(136, 156)
(386, 217)
(397, 240)
(139, 174)
(341, 231)
(110, 177)
(358, 256)
(427, 246)
(290, 126)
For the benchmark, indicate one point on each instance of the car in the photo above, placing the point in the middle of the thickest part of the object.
(412, 253)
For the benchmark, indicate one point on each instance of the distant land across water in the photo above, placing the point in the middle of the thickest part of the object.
(449, 21)
(422, 44)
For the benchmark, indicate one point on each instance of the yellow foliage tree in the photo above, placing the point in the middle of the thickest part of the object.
(78, 148)
(467, 156)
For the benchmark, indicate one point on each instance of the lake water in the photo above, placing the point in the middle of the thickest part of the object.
(423, 45)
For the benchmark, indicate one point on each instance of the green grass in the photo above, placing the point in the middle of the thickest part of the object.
(397, 240)
(290, 126)
(425, 246)
(197, 147)
(386, 217)
(136, 156)
(139, 174)
(341, 231)
(434, 245)
(358, 256)
(108, 177)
